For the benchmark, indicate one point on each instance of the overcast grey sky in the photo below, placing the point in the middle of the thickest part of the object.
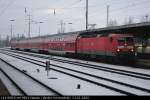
(70, 11)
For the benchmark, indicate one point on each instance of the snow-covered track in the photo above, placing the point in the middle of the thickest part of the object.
(98, 77)
(97, 67)
(14, 83)
(42, 86)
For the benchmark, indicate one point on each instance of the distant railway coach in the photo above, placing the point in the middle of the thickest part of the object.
(59, 44)
(93, 45)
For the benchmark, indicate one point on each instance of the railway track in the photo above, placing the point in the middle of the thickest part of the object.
(37, 83)
(34, 61)
(14, 83)
(97, 67)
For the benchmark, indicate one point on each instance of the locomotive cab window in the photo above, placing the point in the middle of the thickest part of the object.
(121, 40)
(125, 40)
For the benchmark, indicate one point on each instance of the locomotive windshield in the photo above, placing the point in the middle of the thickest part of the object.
(125, 40)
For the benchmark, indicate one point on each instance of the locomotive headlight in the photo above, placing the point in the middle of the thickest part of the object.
(132, 50)
(118, 50)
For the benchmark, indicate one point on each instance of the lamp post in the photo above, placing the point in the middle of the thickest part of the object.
(40, 28)
(108, 7)
(11, 28)
(62, 27)
(87, 14)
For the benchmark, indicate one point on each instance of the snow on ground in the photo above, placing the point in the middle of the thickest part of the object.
(127, 68)
(28, 85)
(109, 75)
(65, 84)
(11, 88)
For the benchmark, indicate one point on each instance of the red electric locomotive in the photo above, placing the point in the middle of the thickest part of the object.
(110, 46)
(93, 45)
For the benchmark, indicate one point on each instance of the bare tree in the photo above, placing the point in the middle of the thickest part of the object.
(130, 20)
(112, 23)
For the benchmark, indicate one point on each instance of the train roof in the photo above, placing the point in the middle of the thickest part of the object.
(52, 35)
